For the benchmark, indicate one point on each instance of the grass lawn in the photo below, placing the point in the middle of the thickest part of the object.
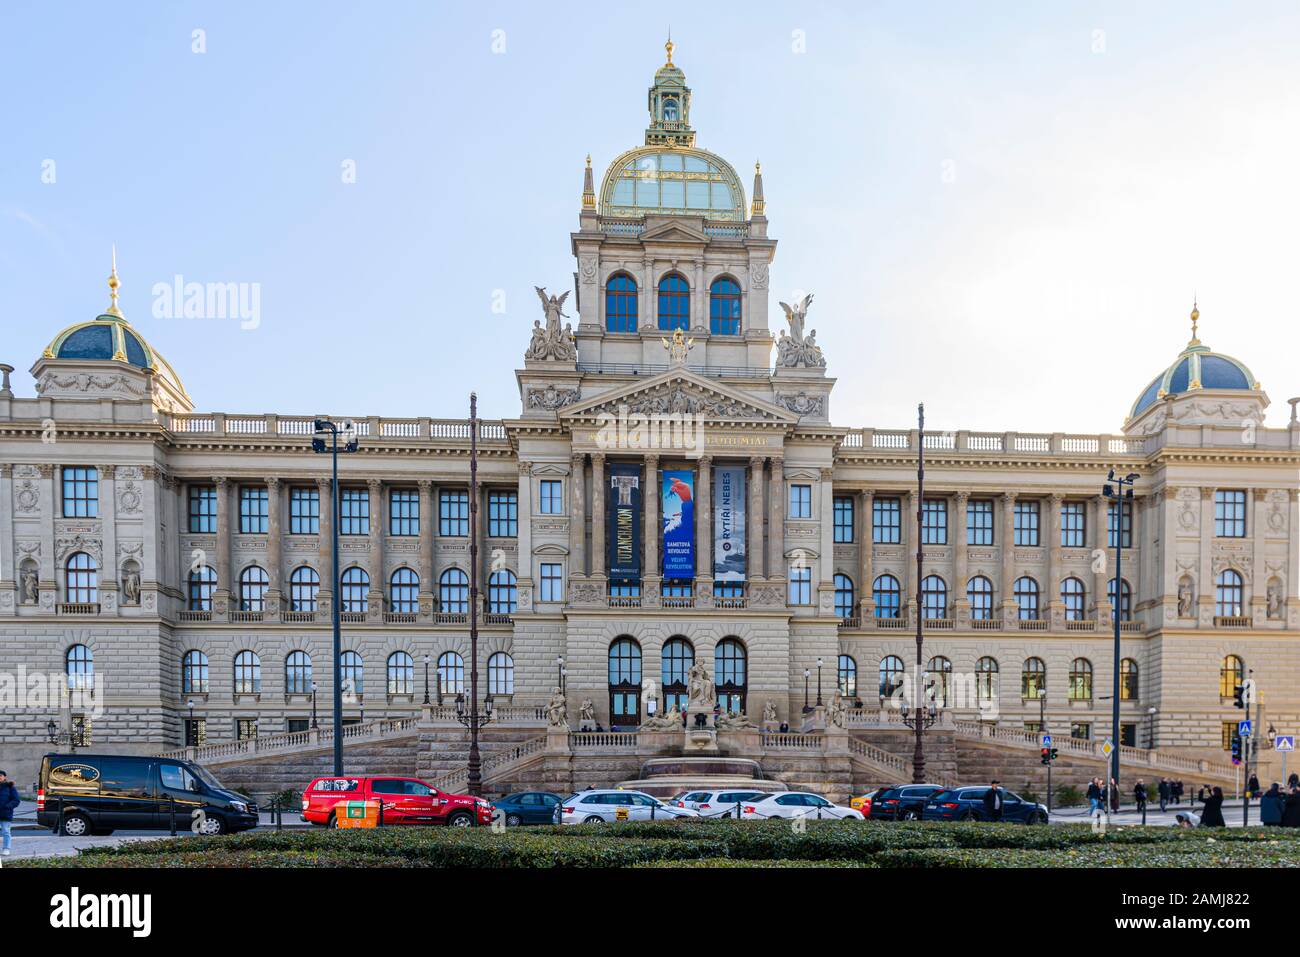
(713, 844)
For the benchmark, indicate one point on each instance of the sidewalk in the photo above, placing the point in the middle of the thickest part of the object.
(25, 819)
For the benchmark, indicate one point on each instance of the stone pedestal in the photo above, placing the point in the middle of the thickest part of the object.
(700, 741)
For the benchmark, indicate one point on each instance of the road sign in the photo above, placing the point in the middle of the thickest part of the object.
(1107, 748)
(1047, 740)
(1243, 728)
(1284, 742)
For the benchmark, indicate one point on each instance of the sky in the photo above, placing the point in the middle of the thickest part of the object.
(1003, 209)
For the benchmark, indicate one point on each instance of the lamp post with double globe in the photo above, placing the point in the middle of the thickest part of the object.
(1119, 489)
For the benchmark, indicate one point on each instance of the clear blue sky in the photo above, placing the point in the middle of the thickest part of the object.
(1104, 163)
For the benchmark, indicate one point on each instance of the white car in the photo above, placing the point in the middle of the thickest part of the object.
(792, 804)
(717, 803)
(597, 806)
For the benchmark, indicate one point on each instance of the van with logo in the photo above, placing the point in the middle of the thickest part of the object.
(80, 794)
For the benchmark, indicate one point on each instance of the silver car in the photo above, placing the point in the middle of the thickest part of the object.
(597, 806)
(727, 803)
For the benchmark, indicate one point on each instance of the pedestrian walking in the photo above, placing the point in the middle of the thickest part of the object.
(1140, 795)
(1163, 791)
(1253, 786)
(1113, 791)
(1271, 806)
(1293, 781)
(9, 802)
(1291, 810)
(993, 800)
(1178, 792)
(1094, 795)
(1212, 813)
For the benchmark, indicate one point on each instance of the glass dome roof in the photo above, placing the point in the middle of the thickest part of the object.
(652, 179)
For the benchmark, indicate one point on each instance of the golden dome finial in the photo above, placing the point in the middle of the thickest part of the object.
(1196, 315)
(669, 47)
(113, 284)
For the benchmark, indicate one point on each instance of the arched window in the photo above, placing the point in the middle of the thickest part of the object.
(674, 302)
(1080, 680)
(938, 674)
(1125, 600)
(934, 597)
(404, 592)
(1227, 594)
(502, 592)
(1027, 598)
(253, 583)
(891, 675)
(624, 683)
(724, 307)
(82, 579)
(352, 675)
(620, 303)
(203, 582)
(356, 584)
(677, 657)
(304, 586)
(451, 673)
(986, 679)
(670, 109)
(885, 593)
(80, 667)
(453, 592)
(401, 673)
(1033, 678)
(847, 674)
(1072, 598)
(1128, 680)
(843, 596)
(248, 673)
(297, 673)
(194, 673)
(1232, 674)
(979, 592)
(729, 674)
(501, 674)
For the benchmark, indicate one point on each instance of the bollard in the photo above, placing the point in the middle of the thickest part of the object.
(380, 823)
(171, 807)
(58, 825)
(653, 807)
(737, 810)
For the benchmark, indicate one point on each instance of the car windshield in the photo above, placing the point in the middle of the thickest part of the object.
(206, 776)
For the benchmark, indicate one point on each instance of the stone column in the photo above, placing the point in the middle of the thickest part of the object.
(1101, 578)
(227, 503)
(598, 482)
(776, 502)
(525, 564)
(375, 604)
(647, 296)
(755, 518)
(866, 577)
(1052, 586)
(650, 500)
(577, 517)
(704, 528)
(327, 585)
(10, 594)
(1009, 612)
(428, 520)
(50, 578)
(109, 572)
(961, 606)
(274, 546)
(1205, 589)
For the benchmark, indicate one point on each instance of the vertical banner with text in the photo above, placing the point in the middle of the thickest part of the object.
(623, 513)
(729, 524)
(678, 504)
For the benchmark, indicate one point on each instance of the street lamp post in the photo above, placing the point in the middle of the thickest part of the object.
(318, 444)
(314, 725)
(559, 672)
(1042, 730)
(924, 717)
(806, 675)
(58, 736)
(192, 727)
(819, 682)
(1120, 491)
(1151, 728)
(426, 679)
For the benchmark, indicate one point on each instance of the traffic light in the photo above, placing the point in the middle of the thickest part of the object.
(1239, 696)
(1053, 754)
(1236, 749)
(1046, 757)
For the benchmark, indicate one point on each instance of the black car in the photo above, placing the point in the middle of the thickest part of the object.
(967, 804)
(80, 794)
(902, 802)
(528, 807)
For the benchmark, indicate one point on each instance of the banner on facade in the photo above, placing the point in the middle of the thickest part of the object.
(729, 524)
(623, 515)
(678, 506)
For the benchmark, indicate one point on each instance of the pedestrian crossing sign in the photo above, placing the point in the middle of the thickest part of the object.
(1243, 729)
(1284, 742)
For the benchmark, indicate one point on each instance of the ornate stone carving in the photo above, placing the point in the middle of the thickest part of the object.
(758, 275)
(551, 341)
(64, 547)
(551, 398)
(835, 711)
(117, 383)
(27, 493)
(1276, 598)
(797, 350)
(587, 711)
(802, 403)
(676, 399)
(131, 584)
(30, 584)
(587, 268)
(557, 716)
(1278, 506)
(734, 722)
(701, 693)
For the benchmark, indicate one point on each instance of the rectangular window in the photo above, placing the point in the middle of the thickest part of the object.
(979, 521)
(246, 729)
(80, 730)
(203, 509)
(254, 511)
(1229, 513)
(843, 519)
(1081, 730)
(800, 585)
(304, 511)
(503, 514)
(453, 513)
(80, 492)
(934, 521)
(404, 512)
(885, 521)
(1127, 527)
(1128, 735)
(301, 724)
(196, 732)
(354, 511)
(801, 501)
(1026, 523)
(1073, 525)
(552, 582)
(552, 499)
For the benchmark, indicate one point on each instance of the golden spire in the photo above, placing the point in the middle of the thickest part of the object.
(588, 187)
(669, 47)
(1196, 315)
(113, 284)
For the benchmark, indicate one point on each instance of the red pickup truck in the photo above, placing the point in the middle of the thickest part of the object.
(404, 800)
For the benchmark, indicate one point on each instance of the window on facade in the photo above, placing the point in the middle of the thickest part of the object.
(248, 673)
(79, 666)
(404, 592)
(934, 522)
(624, 682)
(800, 585)
(724, 307)
(847, 676)
(1128, 680)
(355, 588)
(885, 521)
(401, 673)
(676, 588)
(934, 597)
(254, 510)
(801, 501)
(297, 673)
(728, 589)
(552, 497)
(979, 521)
(453, 592)
(1227, 594)
(354, 511)
(501, 674)
(986, 679)
(1081, 680)
(552, 583)
(1232, 674)
(194, 673)
(938, 681)
(891, 675)
(1033, 678)
(1111, 530)
(253, 584)
(1073, 525)
(404, 512)
(979, 592)
(678, 658)
(196, 732)
(202, 583)
(624, 589)
(886, 594)
(246, 729)
(81, 579)
(202, 509)
(80, 491)
(730, 675)
(304, 511)
(1072, 597)
(503, 592)
(1025, 523)
(352, 675)
(453, 512)
(1230, 513)
(1125, 600)
(1081, 730)
(304, 585)
(674, 303)
(844, 596)
(503, 514)
(620, 303)
(843, 519)
(1026, 593)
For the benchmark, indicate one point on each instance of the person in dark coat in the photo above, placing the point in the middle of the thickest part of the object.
(1178, 792)
(9, 802)
(1140, 795)
(1094, 795)
(1293, 781)
(1253, 786)
(994, 798)
(1291, 810)
(1163, 791)
(1212, 815)
(1271, 806)
(1113, 792)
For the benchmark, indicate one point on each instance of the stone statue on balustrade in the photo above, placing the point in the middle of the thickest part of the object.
(701, 693)
(769, 712)
(739, 721)
(551, 341)
(835, 711)
(587, 711)
(670, 720)
(795, 350)
(557, 712)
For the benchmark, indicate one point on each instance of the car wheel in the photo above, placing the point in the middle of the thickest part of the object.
(76, 825)
(908, 814)
(513, 820)
(966, 816)
(213, 824)
(460, 819)
(333, 822)
(593, 819)
(1038, 817)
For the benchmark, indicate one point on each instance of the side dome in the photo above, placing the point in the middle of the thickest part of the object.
(1197, 367)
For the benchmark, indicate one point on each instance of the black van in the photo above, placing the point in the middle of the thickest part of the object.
(99, 793)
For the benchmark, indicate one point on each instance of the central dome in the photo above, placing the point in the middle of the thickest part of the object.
(1197, 367)
(653, 179)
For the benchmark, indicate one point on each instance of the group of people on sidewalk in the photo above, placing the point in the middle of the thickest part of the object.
(1102, 795)
(1279, 808)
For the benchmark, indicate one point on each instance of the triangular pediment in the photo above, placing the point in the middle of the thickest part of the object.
(680, 392)
(673, 231)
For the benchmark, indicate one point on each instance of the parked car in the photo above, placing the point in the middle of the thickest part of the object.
(82, 794)
(902, 802)
(967, 804)
(716, 803)
(528, 807)
(863, 801)
(596, 806)
(404, 800)
(792, 804)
